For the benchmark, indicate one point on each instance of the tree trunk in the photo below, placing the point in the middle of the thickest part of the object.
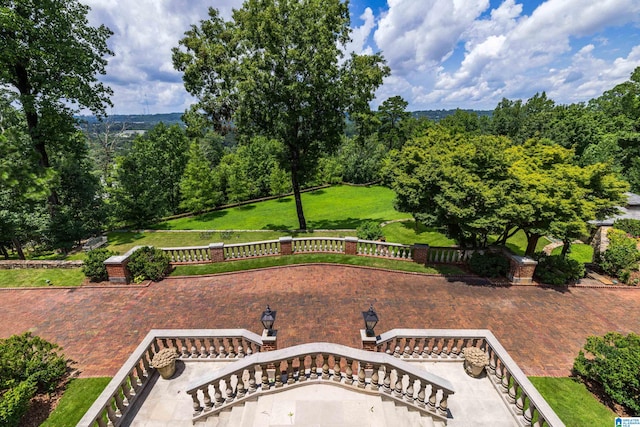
(566, 245)
(18, 247)
(295, 165)
(532, 242)
(4, 251)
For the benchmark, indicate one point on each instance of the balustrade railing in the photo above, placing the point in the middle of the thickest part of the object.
(251, 250)
(190, 254)
(384, 249)
(321, 363)
(449, 255)
(320, 244)
(528, 405)
(111, 407)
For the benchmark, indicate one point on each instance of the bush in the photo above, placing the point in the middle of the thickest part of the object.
(614, 362)
(25, 357)
(555, 270)
(488, 264)
(15, 402)
(149, 263)
(629, 226)
(621, 255)
(94, 267)
(369, 230)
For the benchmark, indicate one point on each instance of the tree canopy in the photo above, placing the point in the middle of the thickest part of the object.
(277, 70)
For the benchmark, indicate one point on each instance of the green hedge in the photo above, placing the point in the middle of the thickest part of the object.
(148, 263)
(15, 402)
(94, 267)
(488, 264)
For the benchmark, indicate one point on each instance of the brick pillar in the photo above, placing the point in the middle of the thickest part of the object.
(351, 246)
(521, 269)
(117, 269)
(286, 245)
(368, 343)
(269, 342)
(420, 252)
(216, 252)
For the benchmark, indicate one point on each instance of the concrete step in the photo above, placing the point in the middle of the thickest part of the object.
(237, 412)
(249, 414)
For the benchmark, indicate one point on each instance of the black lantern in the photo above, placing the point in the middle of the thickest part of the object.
(370, 321)
(267, 319)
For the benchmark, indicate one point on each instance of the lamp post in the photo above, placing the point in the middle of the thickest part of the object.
(370, 321)
(268, 334)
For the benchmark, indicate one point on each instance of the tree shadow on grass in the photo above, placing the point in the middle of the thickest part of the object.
(284, 200)
(316, 192)
(277, 227)
(246, 207)
(123, 237)
(344, 223)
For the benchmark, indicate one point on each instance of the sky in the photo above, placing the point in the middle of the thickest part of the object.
(443, 54)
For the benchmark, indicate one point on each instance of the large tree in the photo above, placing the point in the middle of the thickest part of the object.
(50, 56)
(276, 70)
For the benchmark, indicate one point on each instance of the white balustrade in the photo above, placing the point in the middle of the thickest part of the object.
(191, 254)
(385, 250)
(317, 244)
(449, 255)
(251, 250)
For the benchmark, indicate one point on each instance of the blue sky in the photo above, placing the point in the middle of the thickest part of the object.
(442, 53)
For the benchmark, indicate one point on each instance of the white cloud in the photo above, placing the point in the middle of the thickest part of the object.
(360, 35)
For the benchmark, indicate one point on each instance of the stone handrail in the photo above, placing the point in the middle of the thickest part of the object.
(251, 249)
(384, 249)
(317, 244)
(321, 363)
(446, 344)
(111, 407)
(188, 254)
(449, 255)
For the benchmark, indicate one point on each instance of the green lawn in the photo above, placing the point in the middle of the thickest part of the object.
(37, 277)
(225, 267)
(406, 233)
(573, 403)
(338, 207)
(580, 252)
(77, 399)
(518, 243)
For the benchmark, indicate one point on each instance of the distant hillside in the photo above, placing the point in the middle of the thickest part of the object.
(137, 121)
(437, 115)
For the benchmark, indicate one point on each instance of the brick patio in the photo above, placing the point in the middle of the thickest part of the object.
(542, 329)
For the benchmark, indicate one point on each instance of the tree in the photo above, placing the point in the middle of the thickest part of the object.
(199, 185)
(391, 113)
(50, 56)
(275, 69)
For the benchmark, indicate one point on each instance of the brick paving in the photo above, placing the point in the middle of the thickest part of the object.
(542, 329)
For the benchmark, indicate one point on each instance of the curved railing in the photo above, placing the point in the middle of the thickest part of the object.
(441, 344)
(321, 363)
(111, 407)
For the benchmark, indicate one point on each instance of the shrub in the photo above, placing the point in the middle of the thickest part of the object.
(15, 402)
(556, 270)
(621, 254)
(488, 264)
(628, 225)
(25, 357)
(369, 230)
(149, 263)
(94, 267)
(614, 362)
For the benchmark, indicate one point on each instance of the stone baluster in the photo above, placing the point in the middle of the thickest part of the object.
(222, 352)
(387, 380)
(265, 378)
(442, 408)
(133, 384)
(278, 375)
(240, 352)
(156, 346)
(217, 395)
(410, 390)
(520, 401)
(492, 361)
(252, 380)
(416, 351)
(432, 398)
(120, 407)
(290, 378)
(325, 367)
(362, 376)
(185, 353)
(396, 351)
(302, 372)
(407, 352)
(208, 404)
(194, 352)
(313, 368)
(232, 351)
(397, 391)
(241, 391)
(528, 414)
(197, 408)
(375, 378)
(499, 371)
(140, 374)
(421, 393)
(212, 352)
(337, 375)
(504, 384)
(101, 421)
(349, 372)
(445, 348)
(228, 390)
(455, 350)
(146, 359)
(512, 393)
(111, 415)
(203, 351)
(426, 348)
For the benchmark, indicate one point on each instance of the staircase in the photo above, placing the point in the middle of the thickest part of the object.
(318, 406)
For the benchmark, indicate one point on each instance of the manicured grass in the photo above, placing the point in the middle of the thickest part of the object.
(77, 399)
(249, 264)
(339, 207)
(37, 277)
(123, 241)
(518, 243)
(580, 252)
(405, 232)
(573, 403)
